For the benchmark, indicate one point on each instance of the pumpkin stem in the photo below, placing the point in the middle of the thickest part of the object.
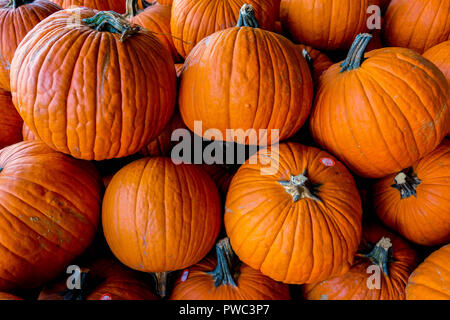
(308, 59)
(299, 187)
(17, 3)
(228, 266)
(111, 21)
(381, 254)
(247, 17)
(161, 283)
(406, 184)
(132, 8)
(78, 294)
(355, 55)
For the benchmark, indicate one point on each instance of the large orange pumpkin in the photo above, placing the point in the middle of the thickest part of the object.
(381, 114)
(104, 94)
(380, 271)
(102, 5)
(10, 121)
(160, 217)
(49, 208)
(417, 24)
(245, 78)
(193, 20)
(416, 202)
(294, 213)
(324, 24)
(223, 277)
(431, 279)
(17, 18)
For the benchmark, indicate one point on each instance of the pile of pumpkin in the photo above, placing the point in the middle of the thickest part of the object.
(89, 100)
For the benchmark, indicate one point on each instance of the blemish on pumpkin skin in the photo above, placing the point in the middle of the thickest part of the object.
(34, 219)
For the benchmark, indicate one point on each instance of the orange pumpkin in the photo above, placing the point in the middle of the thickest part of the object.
(17, 18)
(193, 20)
(165, 2)
(417, 24)
(297, 220)
(160, 217)
(380, 270)
(50, 205)
(8, 296)
(256, 80)
(375, 114)
(323, 24)
(318, 61)
(223, 277)
(27, 135)
(416, 202)
(10, 121)
(431, 279)
(102, 5)
(110, 109)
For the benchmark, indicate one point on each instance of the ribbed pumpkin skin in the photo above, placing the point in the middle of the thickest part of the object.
(384, 116)
(158, 216)
(294, 242)
(165, 2)
(424, 218)
(431, 279)
(353, 284)
(417, 24)
(14, 25)
(50, 206)
(320, 61)
(8, 296)
(246, 78)
(10, 121)
(319, 23)
(193, 20)
(100, 98)
(27, 135)
(157, 19)
(101, 5)
(251, 285)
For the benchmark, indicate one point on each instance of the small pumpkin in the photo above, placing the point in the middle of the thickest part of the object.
(373, 113)
(101, 5)
(380, 270)
(416, 202)
(10, 121)
(224, 277)
(431, 279)
(294, 213)
(417, 24)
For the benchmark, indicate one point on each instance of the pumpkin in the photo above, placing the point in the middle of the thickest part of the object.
(380, 270)
(8, 296)
(102, 5)
(320, 23)
(50, 207)
(193, 20)
(10, 121)
(294, 213)
(17, 18)
(417, 24)
(103, 279)
(431, 279)
(223, 277)
(318, 61)
(256, 80)
(160, 217)
(101, 96)
(27, 135)
(155, 18)
(416, 202)
(179, 69)
(381, 114)
(165, 2)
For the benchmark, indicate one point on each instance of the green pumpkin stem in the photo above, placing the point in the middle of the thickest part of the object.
(132, 8)
(228, 266)
(407, 184)
(161, 283)
(308, 59)
(355, 55)
(247, 17)
(381, 254)
(299, 187)
(17, 3)
(111, 21)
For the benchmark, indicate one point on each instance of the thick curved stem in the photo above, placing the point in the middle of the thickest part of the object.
(17, 3)
(247, 17)
(355, 56)
(161, 283)
(407, 184)
(113, 22)
(299, 187)
(381, 254)
(227, 270)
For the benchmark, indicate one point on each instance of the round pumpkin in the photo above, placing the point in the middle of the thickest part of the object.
(318, 61)
(193, 20)
(10, 121)
(416, 202)
(431, 279)
(417, 24)
(381, 114)
(324, 24)
(380, 270)
(294, 213)
(104, 94)
(17, 18)
(256, 80)
(101, 5)
(160, 217)
(27, 135)
(223, 277)
(50, 207)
